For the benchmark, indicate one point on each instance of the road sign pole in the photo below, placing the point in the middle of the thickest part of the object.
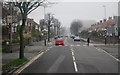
(9, 19)
(10, 37)
(105, 40)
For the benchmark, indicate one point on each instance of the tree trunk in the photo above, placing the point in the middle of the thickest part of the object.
(49, 31)
(21, 55)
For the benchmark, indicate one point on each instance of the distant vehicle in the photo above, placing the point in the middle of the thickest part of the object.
(59, 41)
(72, 36)
(66, 35)
(77, 38)
(55, 37)
(61, 35)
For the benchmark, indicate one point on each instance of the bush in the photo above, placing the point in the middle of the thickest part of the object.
(15, 41)
(5, 47)
(0, 49)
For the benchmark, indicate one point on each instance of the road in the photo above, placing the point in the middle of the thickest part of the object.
(74, 57)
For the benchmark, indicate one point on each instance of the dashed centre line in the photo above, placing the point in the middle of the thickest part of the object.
(73, 58)
(72, 54)
(74, 61)
(75, 65)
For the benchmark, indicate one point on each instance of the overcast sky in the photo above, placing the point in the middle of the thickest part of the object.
(68, 10)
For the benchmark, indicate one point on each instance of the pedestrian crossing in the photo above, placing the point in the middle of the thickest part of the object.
(75, 45)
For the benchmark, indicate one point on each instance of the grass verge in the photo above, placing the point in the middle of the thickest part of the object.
(0, 50)
(82, 40)
(15, 63)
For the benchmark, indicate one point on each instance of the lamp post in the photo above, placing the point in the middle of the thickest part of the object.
(46, 4)
(10, 21)
(104, 10)
(45, 35)
(105, 30)
(37, 30)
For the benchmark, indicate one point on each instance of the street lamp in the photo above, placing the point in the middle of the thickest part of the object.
(105, 30)
(104, 10)
(45, 4)
(44, 33)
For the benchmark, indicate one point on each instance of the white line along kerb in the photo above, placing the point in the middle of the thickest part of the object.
(107, 54)
(26, 65)
(111, 56)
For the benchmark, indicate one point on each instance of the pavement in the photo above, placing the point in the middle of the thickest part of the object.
(30, 51)
(112, 49)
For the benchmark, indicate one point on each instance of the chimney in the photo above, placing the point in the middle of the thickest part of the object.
(115, 18)
(110, 18)
(104, 20)
(100, 21)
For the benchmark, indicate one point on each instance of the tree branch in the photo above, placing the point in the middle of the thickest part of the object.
(33, 9)
(37, 2)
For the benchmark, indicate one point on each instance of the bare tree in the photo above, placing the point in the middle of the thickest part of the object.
(56, 26)
(26, 7)
(75, 27)
(50, 19)
(41, 22)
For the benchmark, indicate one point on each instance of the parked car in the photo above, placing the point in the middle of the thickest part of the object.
(59, 41)
(77, 38)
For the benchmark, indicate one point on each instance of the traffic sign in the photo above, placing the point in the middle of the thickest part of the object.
(9, 19)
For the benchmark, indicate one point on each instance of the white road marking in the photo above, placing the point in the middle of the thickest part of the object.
(73, 58)
(56, 64)
(51, 47)
(75, 65)
(107, 54)
(84, 45)
(71, 49)
(111, 56)
(26, 65)
(72, 54)
(77, 45)
(47, 49)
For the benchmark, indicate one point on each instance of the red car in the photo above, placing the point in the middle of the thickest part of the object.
(59, 41)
